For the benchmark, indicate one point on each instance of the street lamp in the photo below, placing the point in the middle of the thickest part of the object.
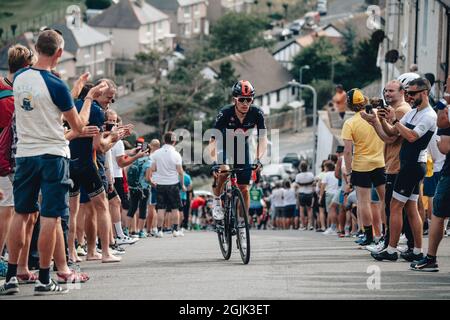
(306, 67)
(300, 86)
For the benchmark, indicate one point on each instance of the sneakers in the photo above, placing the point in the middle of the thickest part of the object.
(10, 287)
(410, 256)
(48, 289)
(134, 235)
(384, 255)
(142, 234)
(218, 213)
(181, 232)
(425, 265)
(126, 240)
(375, 248)
(159, 234)
(116, 249)
(81, 252)
(175, 234)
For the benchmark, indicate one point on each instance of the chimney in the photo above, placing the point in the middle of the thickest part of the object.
(73, 17)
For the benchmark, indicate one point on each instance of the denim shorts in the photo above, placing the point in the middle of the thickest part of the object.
(46, 173)
(441, 200)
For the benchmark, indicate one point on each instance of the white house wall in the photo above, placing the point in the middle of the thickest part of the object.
(125, 41)
(429, 19)
(286, 56)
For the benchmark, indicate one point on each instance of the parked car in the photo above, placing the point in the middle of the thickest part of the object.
(297, 26)
(292, 158)
(312, 19)
(274, 172)
(322, 8)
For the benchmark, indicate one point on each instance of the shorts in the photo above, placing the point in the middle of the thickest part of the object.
(86, 175)
(112, 194)
(296, 212)
(153, 197)
(374, 196)
(329, 199)
(368, 179)
(168, 197)
(194, 212)
(47, 173)
(351, 200)
(407, 183)
(244, 176)
(7, 189)
(322, 201)
(441, 201)
(305, 199)
(118, 186)
(84, 197)
(255, 211)
(430, 184)
(289, 211)
(279, 212)
(338, 197)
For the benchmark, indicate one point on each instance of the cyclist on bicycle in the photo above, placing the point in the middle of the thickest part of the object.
(236, 123)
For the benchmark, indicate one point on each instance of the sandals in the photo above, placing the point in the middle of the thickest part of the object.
(72, 277)
(27, 278)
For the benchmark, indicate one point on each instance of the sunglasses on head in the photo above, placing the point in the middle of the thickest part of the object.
(56, 30)
(242, 100)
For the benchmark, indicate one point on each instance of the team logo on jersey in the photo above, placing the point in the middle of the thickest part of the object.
(26, 99)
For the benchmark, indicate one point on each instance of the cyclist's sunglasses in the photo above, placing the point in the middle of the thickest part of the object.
(413, 93)
(242, 100)
(56, 30)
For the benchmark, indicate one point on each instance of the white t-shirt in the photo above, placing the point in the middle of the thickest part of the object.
(40, 98)
(276, 198)
(289, 198)
(166, 160)
(109, 163)
(331, 182)
(117, 150)
(436, 155)
(305, 177)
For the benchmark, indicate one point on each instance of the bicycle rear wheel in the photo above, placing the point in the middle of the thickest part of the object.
(240, 214)
(224, 236)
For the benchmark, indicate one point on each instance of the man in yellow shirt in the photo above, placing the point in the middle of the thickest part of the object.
(365, 165)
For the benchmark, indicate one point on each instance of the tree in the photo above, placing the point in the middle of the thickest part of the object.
(349, 35)
(319, 56)
(238, 32)
(98, 4)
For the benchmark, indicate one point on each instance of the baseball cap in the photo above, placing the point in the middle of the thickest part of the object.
(355, 96)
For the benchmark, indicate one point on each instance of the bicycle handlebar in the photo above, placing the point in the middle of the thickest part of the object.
(234, 170)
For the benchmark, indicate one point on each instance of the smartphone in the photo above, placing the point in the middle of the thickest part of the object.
(381, 104)
(369, 108)
(145, 146)
(109, 126)
(339, 149)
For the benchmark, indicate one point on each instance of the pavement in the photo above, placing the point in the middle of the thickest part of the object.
(288, 265)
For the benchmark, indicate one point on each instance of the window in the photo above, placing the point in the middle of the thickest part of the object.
(268, 99)
(99, 49)
(187, 12)
(160, 27)
(149, 28)
(197, 9)
(293, 91)
(187, 29)
(278, 96)
(196, 26)
(87, 53)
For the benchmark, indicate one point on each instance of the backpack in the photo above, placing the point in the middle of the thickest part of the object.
(134, 174)
(6, 140)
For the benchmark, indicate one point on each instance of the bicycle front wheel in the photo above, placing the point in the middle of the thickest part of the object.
(224, 236)
(240, 215)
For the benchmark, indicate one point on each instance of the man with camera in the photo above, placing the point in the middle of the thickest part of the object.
(394, 97)
(366, 167)
(416, 127)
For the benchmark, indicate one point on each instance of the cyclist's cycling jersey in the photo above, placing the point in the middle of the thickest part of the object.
(423, 122)
(237, 132)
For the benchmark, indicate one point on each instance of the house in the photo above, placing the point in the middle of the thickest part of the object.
(217, 8)
(269, 77)
(91, 49)
(188, 17)
(134, 26)
(66, 66)
(285, 51)
(419, 32)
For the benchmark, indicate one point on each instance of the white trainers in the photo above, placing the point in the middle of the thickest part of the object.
(218, 213)
(181, 232)
(80, 251)
(375, 248)
(159, 234)
(126, 240)
(175, 233)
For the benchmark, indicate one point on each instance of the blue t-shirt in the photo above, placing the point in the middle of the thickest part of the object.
(81, 148)
(187, 183)
(147, 164)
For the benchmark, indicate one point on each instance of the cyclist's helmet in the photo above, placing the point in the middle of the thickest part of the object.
(243, 88)
(406, 78)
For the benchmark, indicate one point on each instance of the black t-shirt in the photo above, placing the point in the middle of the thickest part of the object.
(446, 168)
(236, 133)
